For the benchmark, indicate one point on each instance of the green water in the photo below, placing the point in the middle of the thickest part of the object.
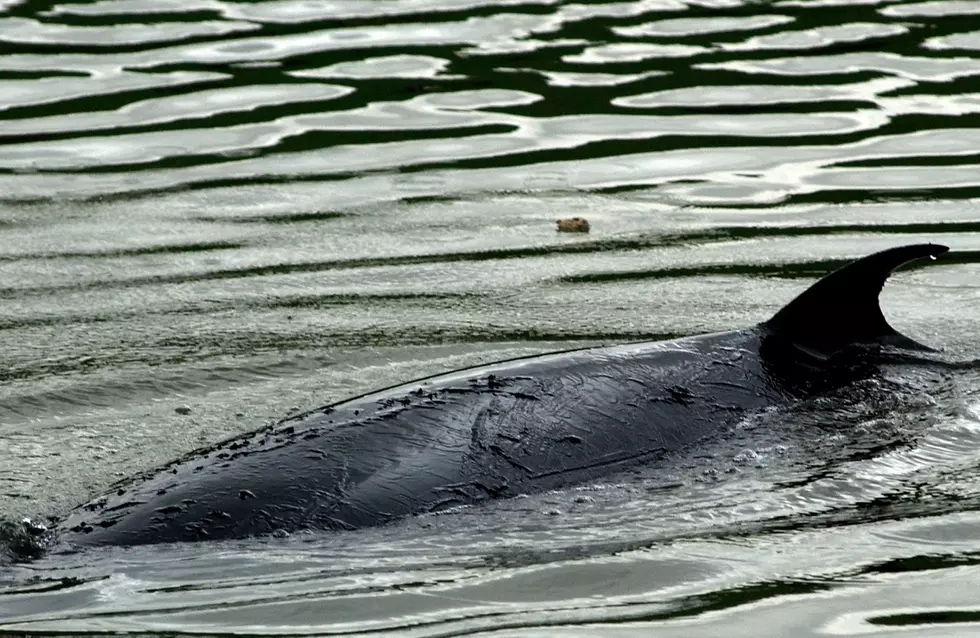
(215, 213)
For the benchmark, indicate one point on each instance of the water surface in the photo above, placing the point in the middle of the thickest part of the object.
(215, 213)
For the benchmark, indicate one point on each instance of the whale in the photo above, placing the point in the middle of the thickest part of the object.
(515, 427)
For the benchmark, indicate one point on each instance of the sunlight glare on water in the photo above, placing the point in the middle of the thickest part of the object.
(214, 214)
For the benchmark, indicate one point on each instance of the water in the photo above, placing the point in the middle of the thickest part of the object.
(215, 213)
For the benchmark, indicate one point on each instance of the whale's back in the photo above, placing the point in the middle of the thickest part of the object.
(519, 427)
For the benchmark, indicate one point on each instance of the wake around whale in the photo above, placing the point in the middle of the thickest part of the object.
(510, 428)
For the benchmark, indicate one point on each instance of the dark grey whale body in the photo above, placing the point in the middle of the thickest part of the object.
(500, 430)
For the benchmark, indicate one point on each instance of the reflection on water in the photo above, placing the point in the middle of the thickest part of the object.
(214, 213)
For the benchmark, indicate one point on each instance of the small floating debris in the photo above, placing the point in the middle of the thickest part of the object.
(32, 527)
(183, 409)
(573, 225)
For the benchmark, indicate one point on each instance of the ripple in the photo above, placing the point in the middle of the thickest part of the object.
(509, 46)
(918, 177)
(961, 104)
(819, 37)
(284, 11)
(19, 93)
(554, 133)
(633, 52)
(750, 125)
(393, 66)
(577, 12)
(135, 7)
(26, 31)
(828, 3)
(680, 27)
(300, 11)
(931, 9)
(475, 30)
(570, 78)
(913, 68)
(789, 163)
(734, 95)
(417, 114)
(476, 99)
(969, 41)
(93, 152)
(161, 110)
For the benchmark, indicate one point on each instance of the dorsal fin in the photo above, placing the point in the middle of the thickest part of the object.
(842, 308)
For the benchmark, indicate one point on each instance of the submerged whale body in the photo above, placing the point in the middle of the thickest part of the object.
(500, 430)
